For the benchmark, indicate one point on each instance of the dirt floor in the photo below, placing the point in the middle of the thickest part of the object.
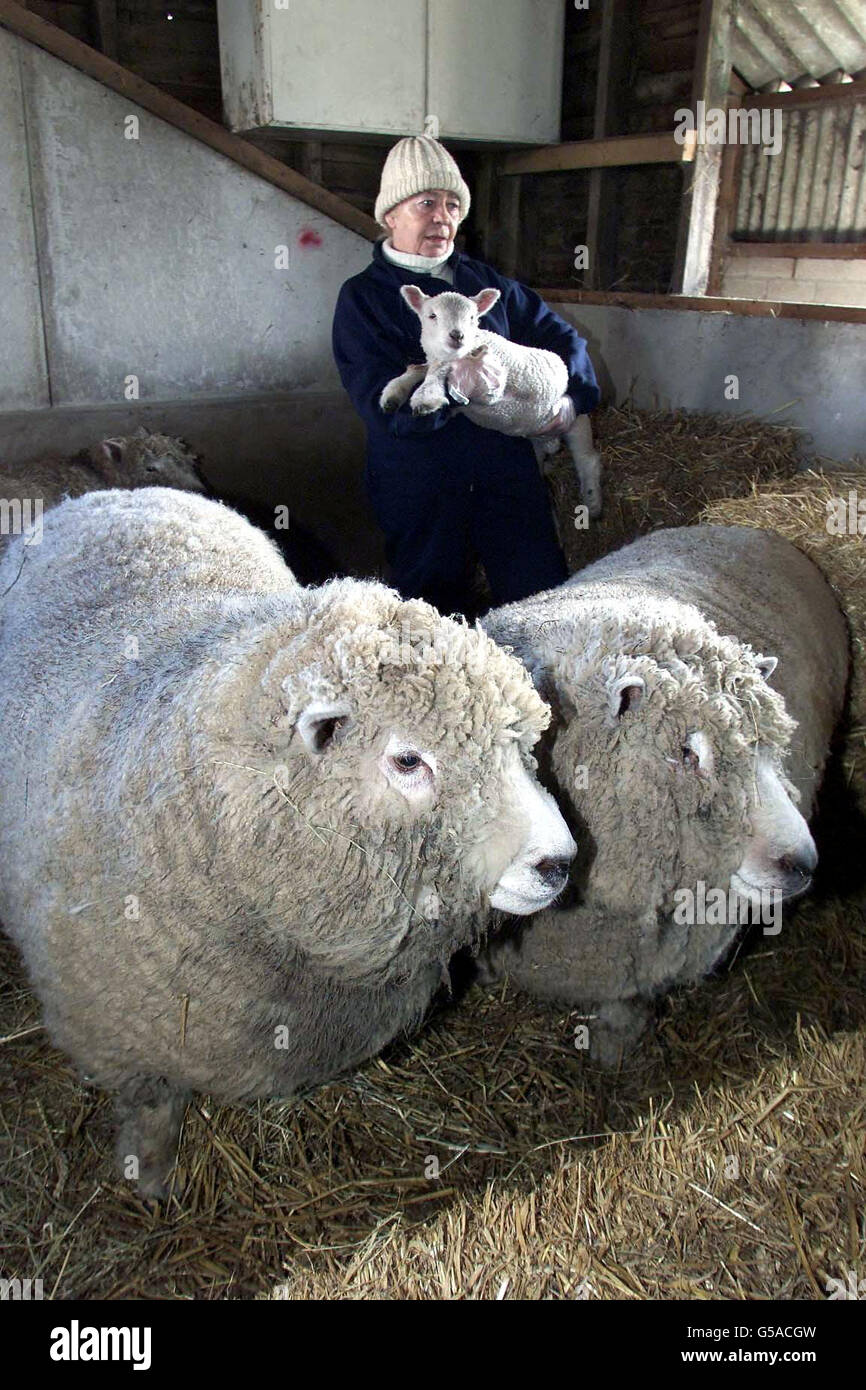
(487, 1157)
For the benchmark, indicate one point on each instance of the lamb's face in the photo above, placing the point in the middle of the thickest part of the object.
(449, 321)
(682, 783)
(148, 460)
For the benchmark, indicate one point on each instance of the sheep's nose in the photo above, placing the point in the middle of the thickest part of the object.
(455, 336)
(801, 863)
(553, 872)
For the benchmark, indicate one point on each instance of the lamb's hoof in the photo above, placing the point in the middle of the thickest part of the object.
(427, 407)
(389, 407)
(594, 505)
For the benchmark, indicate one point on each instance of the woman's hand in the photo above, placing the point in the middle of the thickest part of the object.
(480, 378)
(562, 421)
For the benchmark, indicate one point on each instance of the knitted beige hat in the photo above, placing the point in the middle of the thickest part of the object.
(417, 163)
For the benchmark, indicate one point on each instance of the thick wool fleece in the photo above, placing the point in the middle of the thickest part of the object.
(201, 901)
(657, 609)
(138, 460)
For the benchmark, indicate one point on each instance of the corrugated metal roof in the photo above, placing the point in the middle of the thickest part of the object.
(789, 40)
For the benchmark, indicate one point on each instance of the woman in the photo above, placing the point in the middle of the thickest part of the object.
(441, 487)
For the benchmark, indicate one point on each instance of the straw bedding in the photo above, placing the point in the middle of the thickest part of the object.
(487, 1157)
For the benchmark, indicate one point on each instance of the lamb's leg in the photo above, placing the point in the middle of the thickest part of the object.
(400, 388)
(430, 395)
(617, 1029)
(586, 462)
(149, 1112)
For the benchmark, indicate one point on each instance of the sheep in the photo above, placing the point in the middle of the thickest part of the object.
(244, 824)
(139, 460)
(535, 383)
(676, 759)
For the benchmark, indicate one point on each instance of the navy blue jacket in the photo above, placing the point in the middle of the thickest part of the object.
(376, 335)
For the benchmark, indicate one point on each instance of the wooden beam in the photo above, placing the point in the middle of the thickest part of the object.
(110, 74)
(614, 49)
(705, 304)
(106, 26)
(610, 153)
(834, 94)
(712, 76)
(311, 160)
(820, 250)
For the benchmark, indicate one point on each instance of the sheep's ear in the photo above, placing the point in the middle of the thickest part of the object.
(767, 665)
(626, 693)
(485, 299)
(414, 297)
(112, 450)
(322, 724)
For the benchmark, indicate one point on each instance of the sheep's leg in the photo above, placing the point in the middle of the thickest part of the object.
(430, 395)
(149, 1113)
(400, 388)
(586, 462)
(616, 1030)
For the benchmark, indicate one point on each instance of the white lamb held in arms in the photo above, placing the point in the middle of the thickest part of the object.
(535, 382)
(244, 825)
(679, 753)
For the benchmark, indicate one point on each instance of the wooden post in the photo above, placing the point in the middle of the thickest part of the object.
(483, 204)
(508, 248)
(311, 160)
(106, 26)
(600, 221)
(697, 215)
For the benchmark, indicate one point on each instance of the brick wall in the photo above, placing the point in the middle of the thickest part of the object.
(800, 279)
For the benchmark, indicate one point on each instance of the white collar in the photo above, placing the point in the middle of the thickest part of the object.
(409, 261)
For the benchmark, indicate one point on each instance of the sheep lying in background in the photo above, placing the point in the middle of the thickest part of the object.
(674, 757)
(536, 379)
(244, 825)
(137, 460)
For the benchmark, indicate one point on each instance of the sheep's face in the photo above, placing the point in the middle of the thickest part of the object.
(405, 794)
(681, 782)
(449, 321)
(148, 460)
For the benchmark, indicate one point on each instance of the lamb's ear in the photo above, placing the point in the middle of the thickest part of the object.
(625, 693)
(485, 299)
(767, 665)
(322, 723)
(414, 297)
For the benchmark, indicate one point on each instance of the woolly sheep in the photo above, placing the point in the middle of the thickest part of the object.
(673, 755)
(536, 379)
(244, 824)
(139, 460)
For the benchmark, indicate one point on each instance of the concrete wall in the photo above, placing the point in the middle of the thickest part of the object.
(800, 371)
(156, 255)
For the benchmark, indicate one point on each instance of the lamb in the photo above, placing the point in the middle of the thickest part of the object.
(676, 760)
(244, 824)
(535, 383)
(139, 460)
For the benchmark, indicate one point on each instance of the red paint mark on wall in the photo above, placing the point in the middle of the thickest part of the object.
(309, 237)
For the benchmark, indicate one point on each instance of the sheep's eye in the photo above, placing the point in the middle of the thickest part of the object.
(407, 762)
(432, 316)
